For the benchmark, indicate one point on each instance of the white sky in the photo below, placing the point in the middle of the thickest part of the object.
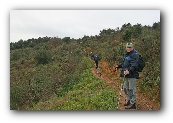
(26, 24)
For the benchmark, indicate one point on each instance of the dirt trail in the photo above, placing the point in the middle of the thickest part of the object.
(143, 103)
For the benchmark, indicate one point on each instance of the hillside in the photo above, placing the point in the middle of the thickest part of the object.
(50, 73)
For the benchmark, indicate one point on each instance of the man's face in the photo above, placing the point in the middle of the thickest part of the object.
(128, 49)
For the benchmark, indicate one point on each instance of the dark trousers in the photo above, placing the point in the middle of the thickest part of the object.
(96, 64)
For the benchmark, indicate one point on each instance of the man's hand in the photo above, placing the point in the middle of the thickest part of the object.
(126, 72)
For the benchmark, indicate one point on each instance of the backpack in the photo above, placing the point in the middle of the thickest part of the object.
(96, 58)
(141, 63)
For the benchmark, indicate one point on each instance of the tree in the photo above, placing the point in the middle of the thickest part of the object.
(127, 34)
(125, 26)
(137, 30)
(66, 39)
(12, 46)
(156, 26)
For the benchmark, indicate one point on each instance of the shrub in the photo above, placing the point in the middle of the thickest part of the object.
(15, 55)
(43, 57)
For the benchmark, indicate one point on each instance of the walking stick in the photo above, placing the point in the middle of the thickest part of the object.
(121, 88)
(122, 83)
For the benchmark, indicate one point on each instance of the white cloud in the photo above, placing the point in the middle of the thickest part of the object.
(25, 24)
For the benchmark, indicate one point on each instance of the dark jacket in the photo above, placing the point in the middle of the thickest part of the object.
(130, 63)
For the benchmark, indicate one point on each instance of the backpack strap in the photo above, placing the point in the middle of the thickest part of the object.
(134, 63)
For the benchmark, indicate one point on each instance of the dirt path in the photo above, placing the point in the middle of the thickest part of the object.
(116, 85)
(143, 103)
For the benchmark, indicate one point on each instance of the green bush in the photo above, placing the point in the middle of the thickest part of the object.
(43, 56)
(15, 55)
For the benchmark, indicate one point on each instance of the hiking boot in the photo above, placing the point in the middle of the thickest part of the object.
(126, 104)
(131, 106)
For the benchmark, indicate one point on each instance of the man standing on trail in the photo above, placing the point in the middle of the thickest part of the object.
(130, 73)
(95, 58)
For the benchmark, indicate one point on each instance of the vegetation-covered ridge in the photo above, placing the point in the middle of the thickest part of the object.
(55, 72)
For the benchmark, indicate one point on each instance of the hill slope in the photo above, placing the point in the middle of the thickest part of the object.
(49, 68)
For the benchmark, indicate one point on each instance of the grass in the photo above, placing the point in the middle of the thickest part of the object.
(89, 93)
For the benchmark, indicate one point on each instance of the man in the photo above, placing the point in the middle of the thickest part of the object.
(130, 72)
(96, 59)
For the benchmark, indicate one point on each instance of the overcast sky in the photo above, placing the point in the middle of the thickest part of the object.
(26, 24)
